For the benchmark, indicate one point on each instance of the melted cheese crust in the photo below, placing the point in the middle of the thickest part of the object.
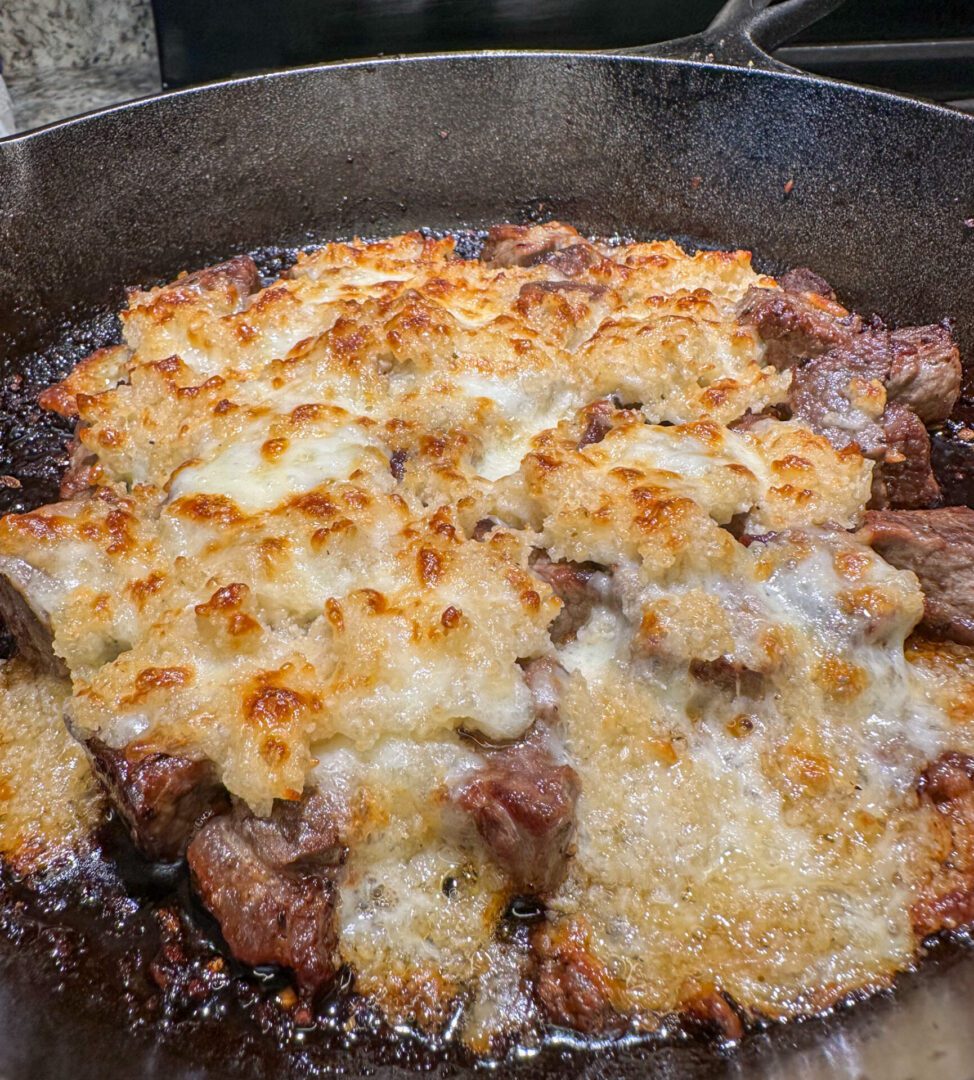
(274, 565)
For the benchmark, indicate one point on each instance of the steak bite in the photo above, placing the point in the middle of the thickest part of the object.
(796, 325)
(938, 546)
(572, 987)
(903, 479)
(579, 586)
(162, 798)
(841, 395)
(803, 280)
(925, 372)
(271, 883)
(522, 800)
(26, 619)
(527, 245)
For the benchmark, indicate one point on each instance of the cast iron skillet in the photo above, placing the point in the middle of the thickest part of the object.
(706, 138)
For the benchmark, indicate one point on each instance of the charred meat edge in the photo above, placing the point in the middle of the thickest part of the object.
(839, 364)
(272, 884)
(162, 798)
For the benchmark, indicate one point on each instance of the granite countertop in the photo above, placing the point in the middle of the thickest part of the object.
(56, 93)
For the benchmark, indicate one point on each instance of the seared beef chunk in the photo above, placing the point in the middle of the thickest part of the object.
(598, 423)
(803, 280)
(577, 585)
(523, 805)
(925, 373)
(572, 988)
(271, 884)
(839, 367)
(840, 395)
(572, 261)
(484, 528)
(161, 797)
(241, 272)
(28, 624)
(796, 326)
(946, 901)
(938, 546)
(544, 678)
(948, 779)
(526, 245)
(904, 479)
(728, 675)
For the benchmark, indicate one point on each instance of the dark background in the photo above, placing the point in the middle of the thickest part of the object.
(202, 40)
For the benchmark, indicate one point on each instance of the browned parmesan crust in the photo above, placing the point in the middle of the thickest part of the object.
(412, 590)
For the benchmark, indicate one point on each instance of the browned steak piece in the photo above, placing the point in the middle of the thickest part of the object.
(578, 585)
(573, 260)
(796, 325)
(730, 676)
(523, 805)
(919, 365)
(162, 798)
(938, 546)
(840, 395)
(544, 677)
(903, 479)
(239, 273)
(526, 245)
(598, 422)
(28, 624)
(946, 900)
(925, 373)
(272, 884)
(803, 280)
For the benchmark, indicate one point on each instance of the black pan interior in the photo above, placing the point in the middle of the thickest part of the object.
(873, 191)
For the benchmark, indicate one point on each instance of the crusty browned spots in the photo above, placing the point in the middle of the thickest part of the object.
(273, 449)
(213, 509)
(429, 565)
(713, 1011)
(161, 678)
(274, 706)
(572, 987)
(333, 610)
(143, 588)
(224, 599)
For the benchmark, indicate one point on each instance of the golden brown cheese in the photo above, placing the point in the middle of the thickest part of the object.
(280, 565)
(49, 802)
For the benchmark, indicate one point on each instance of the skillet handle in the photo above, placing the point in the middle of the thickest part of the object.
(743, 33)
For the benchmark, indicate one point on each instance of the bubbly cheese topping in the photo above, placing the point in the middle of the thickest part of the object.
(276, 557)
